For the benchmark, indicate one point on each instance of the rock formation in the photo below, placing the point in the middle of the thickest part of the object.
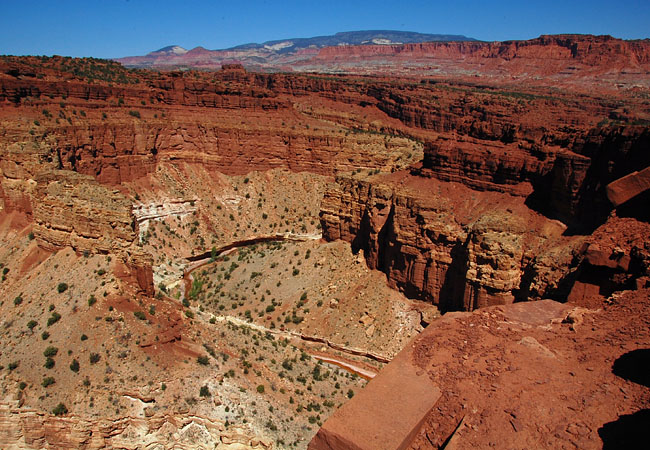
(505, 377)
(464, 193)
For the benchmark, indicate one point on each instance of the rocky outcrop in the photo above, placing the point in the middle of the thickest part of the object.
(555, 57)
(628, 187)
(590, 50)
(22, 428)
(73, 210)
(560, 182)
(512, 376)
(428, 250)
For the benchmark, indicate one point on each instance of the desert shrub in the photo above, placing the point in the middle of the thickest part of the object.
(12, 365)
(49, 363)
(84, 337)
(74, 365)
(54, 318)
(61, 287)
(203, 360)
(45, 335)
(48, 381)
(92, 300)
(31, 324)
(50, 351)
(140, 315)
(134, 113)
(60, 410)
(260, 389)
(18, 300)
(94, 358)
(204, 391)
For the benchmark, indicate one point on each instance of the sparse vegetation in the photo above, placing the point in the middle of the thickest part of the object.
(60, 410)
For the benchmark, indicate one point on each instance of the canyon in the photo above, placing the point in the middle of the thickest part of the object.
(154, 214)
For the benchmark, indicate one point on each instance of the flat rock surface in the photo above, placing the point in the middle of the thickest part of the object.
(538, 375)
(385, 415)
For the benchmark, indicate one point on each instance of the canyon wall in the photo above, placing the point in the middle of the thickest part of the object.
(553, 150)
(592, 50)
(430, 252)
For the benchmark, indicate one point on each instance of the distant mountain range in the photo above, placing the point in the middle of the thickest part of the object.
(278, 53)
(370, 37)
(568, 58)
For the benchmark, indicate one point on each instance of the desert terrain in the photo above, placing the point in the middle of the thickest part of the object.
(235, 259)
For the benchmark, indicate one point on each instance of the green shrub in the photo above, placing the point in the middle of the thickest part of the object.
(134, 113)
(18, 300)
(204, 391)
(22, 385)
(92, 300)
(260, 389)
(54, 318)
(84, 337)
(62, 287)
(74, 365)
(31, 324)
(50, 351)
(13, 365)
(94, 358)
(203, 360)
(140, 315)
(60, 410)
(48, 381)
(45, 335)
(49, 363)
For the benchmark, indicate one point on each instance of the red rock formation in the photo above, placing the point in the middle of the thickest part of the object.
(73, 210)
(563, 58)
(628, 187)
(550, 148)
(508, 379)
(435, 244)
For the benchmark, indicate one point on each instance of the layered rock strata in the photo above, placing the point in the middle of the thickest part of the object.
(427, 249)
(24, 428)
(73, 210)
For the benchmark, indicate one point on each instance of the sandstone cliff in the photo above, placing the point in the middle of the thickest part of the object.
(461, 255)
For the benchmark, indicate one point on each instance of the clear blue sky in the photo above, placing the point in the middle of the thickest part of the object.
(114, 28)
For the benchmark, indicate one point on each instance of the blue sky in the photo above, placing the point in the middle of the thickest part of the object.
(114, 28)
